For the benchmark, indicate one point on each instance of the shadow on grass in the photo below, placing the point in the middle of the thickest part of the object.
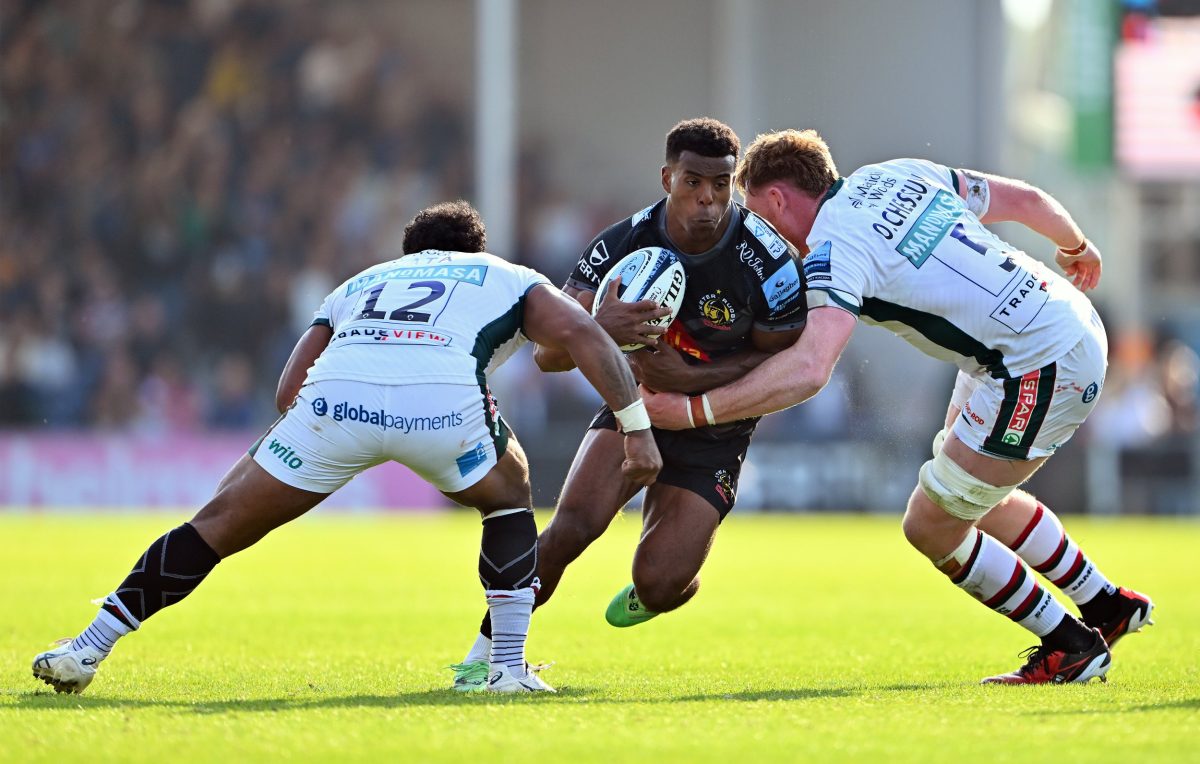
(440, 697)
(1190, 704)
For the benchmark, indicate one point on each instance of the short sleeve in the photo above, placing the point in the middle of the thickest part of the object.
(836, 276)
(323, 316)
(530, 278)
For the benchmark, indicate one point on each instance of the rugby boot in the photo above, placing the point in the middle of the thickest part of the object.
(470, 677)
(1134, 613)
(503, 680)
(1045, 665)
(627, 610)
(67, 670)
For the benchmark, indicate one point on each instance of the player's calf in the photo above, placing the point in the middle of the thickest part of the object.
(508, 570)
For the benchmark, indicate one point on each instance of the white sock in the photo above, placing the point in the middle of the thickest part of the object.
(480, 651)
(1050, 551)
(991, 573)
(511, 610)
(101, 634)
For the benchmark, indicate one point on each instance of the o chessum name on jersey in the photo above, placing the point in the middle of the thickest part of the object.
(471, 274)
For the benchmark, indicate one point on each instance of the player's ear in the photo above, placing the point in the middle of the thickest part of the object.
(666, 178)
(776, 198)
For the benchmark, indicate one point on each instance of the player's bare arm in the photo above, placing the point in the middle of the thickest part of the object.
(789, 377)
(1006, 199)
(666, 371)
(625, 322)
(308, 348)
(560, 324)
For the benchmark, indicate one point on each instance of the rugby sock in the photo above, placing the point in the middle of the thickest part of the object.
(1050, 551)
(510, 611)
(168, 571)
(481, 650)
(101, 634)
(508, 549)
(990, 572)
(508, 571)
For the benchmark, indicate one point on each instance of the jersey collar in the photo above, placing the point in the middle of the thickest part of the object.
(832, 192)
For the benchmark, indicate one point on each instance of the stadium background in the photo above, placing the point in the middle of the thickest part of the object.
(182, 181)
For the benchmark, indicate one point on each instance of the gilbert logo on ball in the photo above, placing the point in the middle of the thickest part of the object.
(650, 273)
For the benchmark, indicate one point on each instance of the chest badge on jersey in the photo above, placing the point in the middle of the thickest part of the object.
(717, 312)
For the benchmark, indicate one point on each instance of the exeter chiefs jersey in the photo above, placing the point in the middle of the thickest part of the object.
(895, 244)
(430, 317)
(751, 278)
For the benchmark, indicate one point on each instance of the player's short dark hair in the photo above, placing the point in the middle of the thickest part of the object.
(450, 226)
(800, 157)
(704, 136)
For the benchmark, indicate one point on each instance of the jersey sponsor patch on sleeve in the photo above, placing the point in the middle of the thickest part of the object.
(783, 287)
(641, 215)
(816, 264)
(774, 243)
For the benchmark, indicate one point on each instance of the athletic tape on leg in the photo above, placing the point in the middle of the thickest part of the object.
(957, 491)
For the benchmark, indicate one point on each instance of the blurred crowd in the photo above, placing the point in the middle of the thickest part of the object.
(181, 183)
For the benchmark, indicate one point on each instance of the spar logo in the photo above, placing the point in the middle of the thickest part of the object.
(1026, 401)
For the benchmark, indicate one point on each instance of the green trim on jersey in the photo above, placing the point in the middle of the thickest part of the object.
(832, 192)
(497, 332)
(938, 331)
(954, 180)
(825, 297)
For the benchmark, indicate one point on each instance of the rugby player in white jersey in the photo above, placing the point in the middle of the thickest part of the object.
(394, 367)
(903, 244)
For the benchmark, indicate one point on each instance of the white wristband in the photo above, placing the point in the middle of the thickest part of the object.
(708, 412)
(633, 417)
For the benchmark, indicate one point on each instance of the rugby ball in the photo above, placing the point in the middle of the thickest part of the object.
(650, 273)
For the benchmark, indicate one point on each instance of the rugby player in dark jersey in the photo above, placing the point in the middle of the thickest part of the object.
(744, 301)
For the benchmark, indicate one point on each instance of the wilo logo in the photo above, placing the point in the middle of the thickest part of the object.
(285, 454)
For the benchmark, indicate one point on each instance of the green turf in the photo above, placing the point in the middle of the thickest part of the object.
(813, 639)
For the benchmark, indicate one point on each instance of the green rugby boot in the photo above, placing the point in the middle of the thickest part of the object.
(470, 677)
(627, 610)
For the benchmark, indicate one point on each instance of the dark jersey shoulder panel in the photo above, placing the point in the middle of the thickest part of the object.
(750, 280)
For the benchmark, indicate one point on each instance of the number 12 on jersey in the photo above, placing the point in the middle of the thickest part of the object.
(434, 291)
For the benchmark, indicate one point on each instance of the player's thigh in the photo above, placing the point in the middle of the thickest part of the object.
(678, 528)
(505, 486)
(249, 503)
(595, 490)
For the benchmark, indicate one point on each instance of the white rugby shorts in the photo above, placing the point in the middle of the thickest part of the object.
(1032, 416)
(450, 435)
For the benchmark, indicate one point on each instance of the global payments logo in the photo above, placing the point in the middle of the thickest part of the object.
(356, 412)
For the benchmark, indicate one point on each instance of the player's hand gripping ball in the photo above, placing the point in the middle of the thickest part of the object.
(650, 273)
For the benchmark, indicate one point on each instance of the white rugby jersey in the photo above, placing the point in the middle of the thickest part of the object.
(896, 245)
(429, 317)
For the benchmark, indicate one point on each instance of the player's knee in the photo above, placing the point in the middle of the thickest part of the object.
(959, 493)
(661, 591)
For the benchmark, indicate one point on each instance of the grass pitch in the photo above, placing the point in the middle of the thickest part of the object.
(813, 638)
